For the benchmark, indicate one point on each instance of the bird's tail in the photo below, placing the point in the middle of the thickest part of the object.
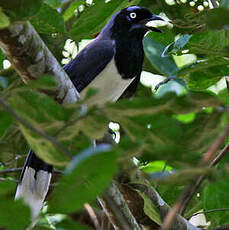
(34, 183)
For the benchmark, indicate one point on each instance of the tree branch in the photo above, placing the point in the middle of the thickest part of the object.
(13, 170)
(117, 210)
(92, 215)
(31, 59)
(191, 188)
(179, 223)
(215, 146)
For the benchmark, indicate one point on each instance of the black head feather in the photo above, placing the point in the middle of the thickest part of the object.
(130, 21)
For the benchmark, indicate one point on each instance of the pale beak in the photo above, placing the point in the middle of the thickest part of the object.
(152, 23)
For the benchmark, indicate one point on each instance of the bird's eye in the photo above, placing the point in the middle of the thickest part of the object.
(133, 15)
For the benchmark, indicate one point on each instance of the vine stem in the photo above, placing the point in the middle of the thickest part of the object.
(209, 211)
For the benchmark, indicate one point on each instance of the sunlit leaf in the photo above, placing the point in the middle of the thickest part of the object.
(53, 3)
(4, 20)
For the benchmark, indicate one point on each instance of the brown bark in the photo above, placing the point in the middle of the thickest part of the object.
(31, 59)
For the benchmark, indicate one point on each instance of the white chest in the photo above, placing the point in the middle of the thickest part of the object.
(110, 85)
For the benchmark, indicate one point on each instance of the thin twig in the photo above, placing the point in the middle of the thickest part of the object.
(29, 126)
(2, 179)
(209, 211)
(220, 156)
(191, 188)
(92, 215)
(15, 158)
(208, 156)
(12, 170)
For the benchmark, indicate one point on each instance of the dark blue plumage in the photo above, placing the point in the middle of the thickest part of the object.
(120, 39)
(112, 63)
(90, 62)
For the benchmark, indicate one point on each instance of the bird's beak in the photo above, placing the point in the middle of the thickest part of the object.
(152, 23)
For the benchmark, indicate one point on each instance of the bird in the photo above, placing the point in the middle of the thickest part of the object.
(112, 64)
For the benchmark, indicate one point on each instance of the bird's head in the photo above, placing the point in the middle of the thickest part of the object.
(133, 19)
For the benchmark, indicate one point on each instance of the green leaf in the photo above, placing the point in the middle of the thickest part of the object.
(53, 3)
(88, 174)
(21, 9)
(94, 124)
(173, 86)
(146, 123)
(2, 57)
(213, 43)
(70, 11)
(45, 82)
(224, 96)
(17, 147)
(185, 118)
(4, 20)
(155, 166)
(68, 224)
(224, 3)
(9, 207)
(176, 46)
(45, 115)
(194, 101)
(202, 75)
(5, 122)
(48, 20)
(55, 43)
(153, 51)
(150, 210)
(7, 189)
(91, 20)
(216, 196)
(218, 18)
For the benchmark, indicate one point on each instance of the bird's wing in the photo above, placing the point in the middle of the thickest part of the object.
(90, 62)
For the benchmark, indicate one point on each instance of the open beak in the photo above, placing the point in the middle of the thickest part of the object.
(150, 23)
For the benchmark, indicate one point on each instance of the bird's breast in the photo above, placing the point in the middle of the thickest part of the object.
(110, 85)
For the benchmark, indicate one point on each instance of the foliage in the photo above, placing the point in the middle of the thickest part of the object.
(167, 130)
